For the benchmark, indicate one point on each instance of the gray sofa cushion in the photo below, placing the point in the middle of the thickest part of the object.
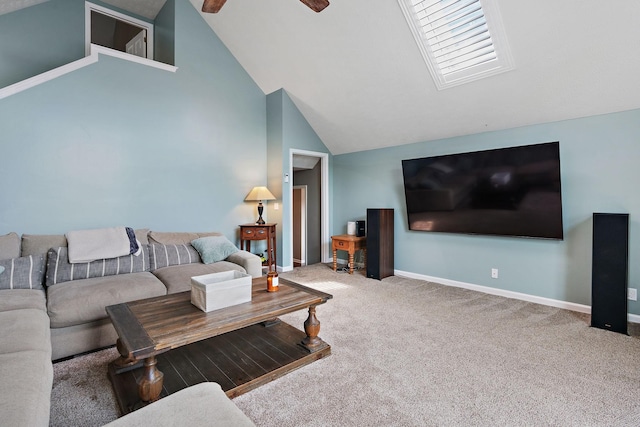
(17, 299)
(177, 278)
(25, 395)
(80, 301)
(36, 244)
(177, 237)
(24, 330)
(166, 255)
(23, 273)
(9, 246)
(60, 270)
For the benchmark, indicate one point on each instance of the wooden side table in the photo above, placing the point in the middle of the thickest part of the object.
(266, 232)
(349, 243)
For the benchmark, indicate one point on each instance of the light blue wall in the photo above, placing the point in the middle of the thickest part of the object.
(51, 34)
(164, 33)
(40, 38)
(118, 143)
(600, 173)
(287, 129)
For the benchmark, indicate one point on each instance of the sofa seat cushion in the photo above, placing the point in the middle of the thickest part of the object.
(18, 299)
(79, 301)
(24, 330)
(177, 278)
(25, 395)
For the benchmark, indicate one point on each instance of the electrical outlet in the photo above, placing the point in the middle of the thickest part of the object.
(494, 273)
(632, 294)
(276, 206)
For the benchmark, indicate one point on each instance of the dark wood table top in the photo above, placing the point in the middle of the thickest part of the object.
(152, 326)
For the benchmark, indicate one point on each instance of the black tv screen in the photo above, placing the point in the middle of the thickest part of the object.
(511, 191)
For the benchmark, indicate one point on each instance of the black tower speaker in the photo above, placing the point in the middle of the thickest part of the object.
(609, 272)
(379, 243)
(360, 229)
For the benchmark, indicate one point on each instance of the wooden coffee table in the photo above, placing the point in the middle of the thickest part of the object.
(240, 347)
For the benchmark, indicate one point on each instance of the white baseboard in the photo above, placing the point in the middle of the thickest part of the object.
(581, 308)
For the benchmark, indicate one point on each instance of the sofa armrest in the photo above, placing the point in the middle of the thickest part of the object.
(248, 261)
(202, 404)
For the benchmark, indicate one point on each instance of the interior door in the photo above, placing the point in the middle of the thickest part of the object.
(138, 45)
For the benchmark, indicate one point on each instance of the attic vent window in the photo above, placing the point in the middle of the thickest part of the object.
(460, 40)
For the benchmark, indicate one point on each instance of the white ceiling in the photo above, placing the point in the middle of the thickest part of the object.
(355, 71)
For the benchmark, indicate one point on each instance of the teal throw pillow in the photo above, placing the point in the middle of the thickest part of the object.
(213, 248)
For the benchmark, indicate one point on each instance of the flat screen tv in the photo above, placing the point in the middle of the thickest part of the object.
(511, 191)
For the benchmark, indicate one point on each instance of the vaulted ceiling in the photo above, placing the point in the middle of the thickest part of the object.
(355, 72)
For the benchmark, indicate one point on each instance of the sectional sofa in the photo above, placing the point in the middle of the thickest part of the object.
(51, 308)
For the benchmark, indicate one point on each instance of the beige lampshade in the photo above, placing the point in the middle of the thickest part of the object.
(258, 194)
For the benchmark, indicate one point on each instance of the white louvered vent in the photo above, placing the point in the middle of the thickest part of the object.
(461, 40)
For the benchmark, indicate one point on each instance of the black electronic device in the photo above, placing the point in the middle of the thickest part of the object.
(380, 253)
(360, 228)
(609, 271)
(514, 191)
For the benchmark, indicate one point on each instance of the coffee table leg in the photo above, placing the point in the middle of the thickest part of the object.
(312, 328)
(124, 361)
(150, 385)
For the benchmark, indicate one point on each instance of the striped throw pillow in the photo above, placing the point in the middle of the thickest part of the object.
(60, 270)
(23, 273)
(166, 255)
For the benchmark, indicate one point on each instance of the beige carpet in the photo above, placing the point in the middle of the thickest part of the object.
(412, 353)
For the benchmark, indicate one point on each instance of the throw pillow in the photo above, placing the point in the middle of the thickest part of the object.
(214, 248)
(60, 270)
(166, 255)
(22, 273)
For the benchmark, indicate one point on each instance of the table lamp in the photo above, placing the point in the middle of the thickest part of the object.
(258, 194)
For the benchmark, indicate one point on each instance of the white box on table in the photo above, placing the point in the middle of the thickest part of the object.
(219, 290)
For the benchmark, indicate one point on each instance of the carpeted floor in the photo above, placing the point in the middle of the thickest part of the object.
(411, 353)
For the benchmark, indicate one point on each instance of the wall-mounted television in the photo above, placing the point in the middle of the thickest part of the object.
(513, 191)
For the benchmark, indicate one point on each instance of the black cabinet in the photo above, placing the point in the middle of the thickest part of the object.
(379, 243)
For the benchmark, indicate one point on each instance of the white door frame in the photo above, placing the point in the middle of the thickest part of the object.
(325, 238)
(88, 7)
(303, 223)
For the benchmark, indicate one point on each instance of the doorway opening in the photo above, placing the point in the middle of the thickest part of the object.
(114, 30)
(311, 170)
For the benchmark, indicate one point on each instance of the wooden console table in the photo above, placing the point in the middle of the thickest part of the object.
(266, 232)
(349, 243)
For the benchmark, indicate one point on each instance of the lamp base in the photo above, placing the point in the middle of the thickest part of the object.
(260, 221)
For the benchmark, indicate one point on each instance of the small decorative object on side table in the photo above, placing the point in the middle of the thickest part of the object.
(349, 243)
(266, 232)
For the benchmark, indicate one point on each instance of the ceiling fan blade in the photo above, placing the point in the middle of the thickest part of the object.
(212, 6)
(316, 5)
